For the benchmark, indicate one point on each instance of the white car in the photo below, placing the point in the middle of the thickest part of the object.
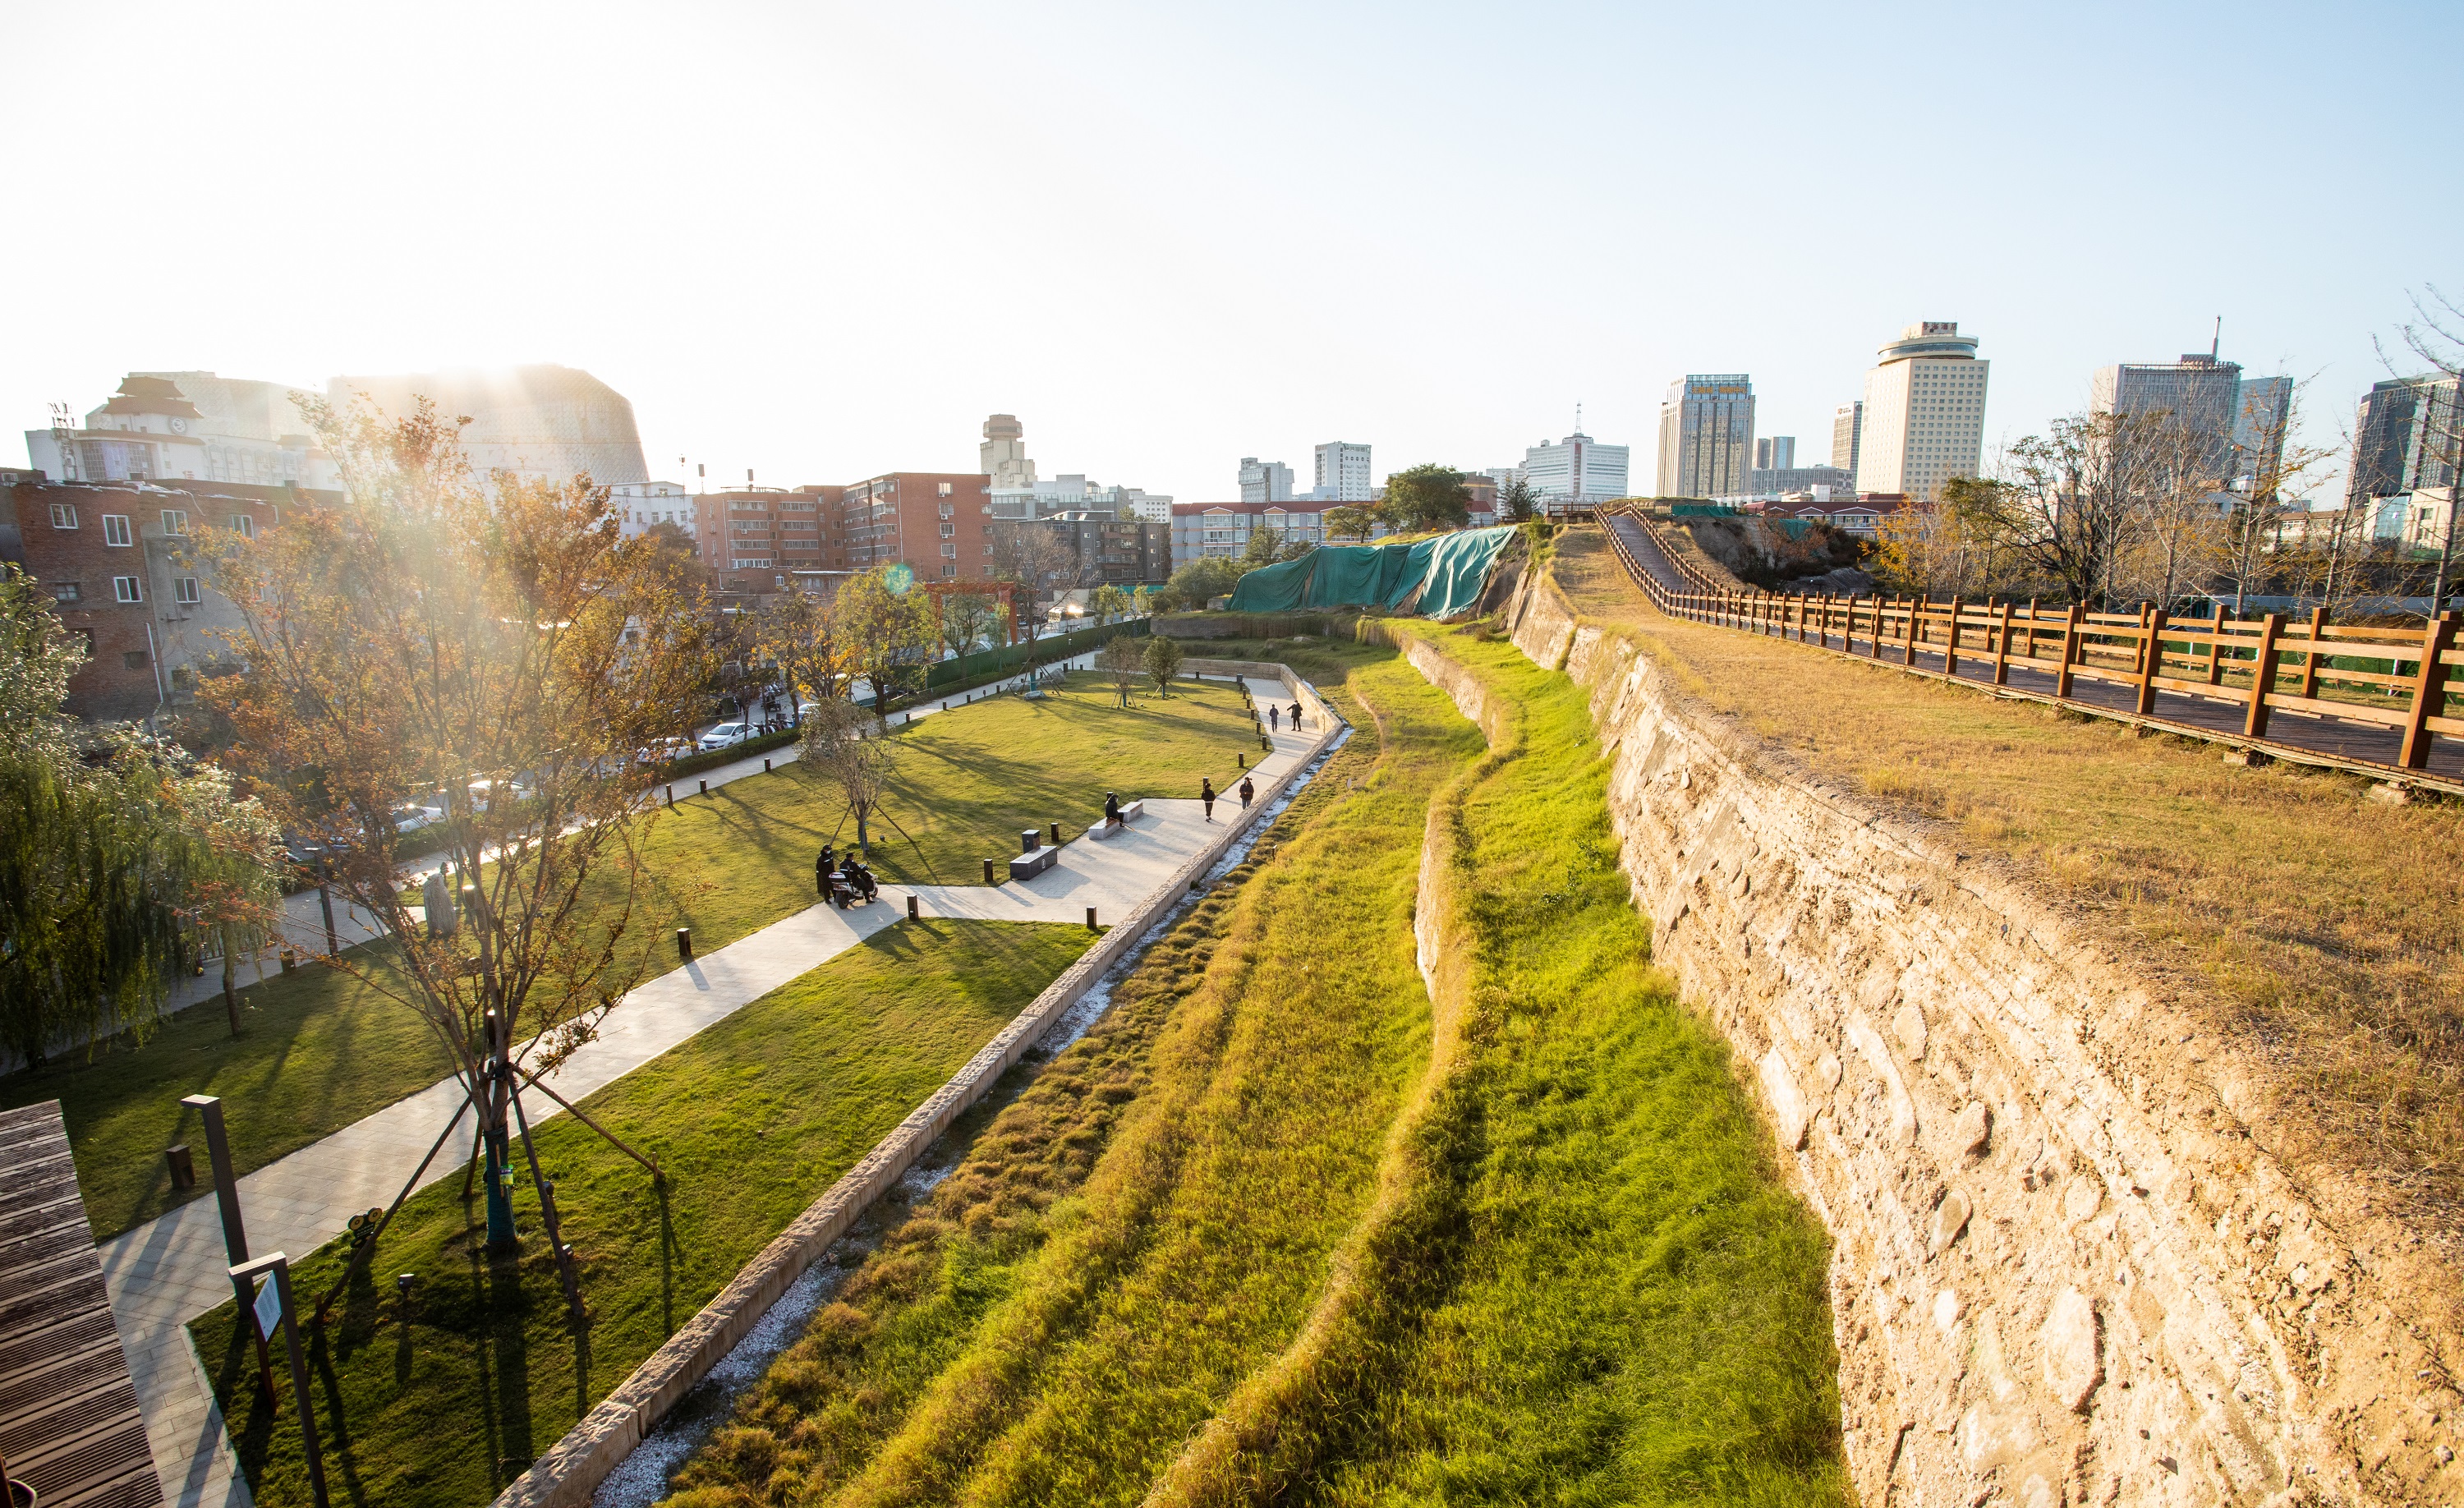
(726, 735)
(412, 818)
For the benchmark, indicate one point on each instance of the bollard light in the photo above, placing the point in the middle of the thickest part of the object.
(1090, 919)
(184, 1166)
(705, 788)
(684, 944)
(989, 871)
(765, 767)
(672, 798)
(1056, 835)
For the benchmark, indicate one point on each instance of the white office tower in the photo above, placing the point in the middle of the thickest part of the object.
(545, 421)
(1924, 413)
(1576, 470)
(1847, 428)
(1706, 435)
(1002, 456)
(1776, 454)
(1342, 473)
(1265, 481)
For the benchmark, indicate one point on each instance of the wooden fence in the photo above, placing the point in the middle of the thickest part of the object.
(2397, 678)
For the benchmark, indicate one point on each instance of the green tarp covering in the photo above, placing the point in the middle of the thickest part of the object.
(1438, 577)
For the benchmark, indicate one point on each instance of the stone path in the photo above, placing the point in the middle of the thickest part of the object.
(170, 1270)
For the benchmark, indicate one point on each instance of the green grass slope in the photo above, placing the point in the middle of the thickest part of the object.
(444, 1398)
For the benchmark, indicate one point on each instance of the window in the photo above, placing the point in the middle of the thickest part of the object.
(133, 659)
(115, 530)
(243, 526)
(64, 515)
(67, 591)
(175, 521)
(124, 589)
(988, 549)
(949, 552)
(945, 489)
(183, 590)
(949, 531)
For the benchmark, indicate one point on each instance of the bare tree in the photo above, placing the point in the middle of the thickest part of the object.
(2435, 335)
(1035, 560)
(855, 757)
(2074, 501)
(2251, 537)
(1123, 662)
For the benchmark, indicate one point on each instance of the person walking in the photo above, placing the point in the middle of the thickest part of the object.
(1247, 791)
(1206, 794)
(1272, 725)
(1296, 717)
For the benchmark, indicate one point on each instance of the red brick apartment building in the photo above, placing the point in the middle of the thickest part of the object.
(114, 557)
(936, 522)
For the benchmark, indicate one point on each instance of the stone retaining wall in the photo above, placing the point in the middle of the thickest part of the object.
(569, 1473)
(2063, 1269)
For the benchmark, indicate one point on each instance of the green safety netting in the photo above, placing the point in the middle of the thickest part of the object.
(1438, 577)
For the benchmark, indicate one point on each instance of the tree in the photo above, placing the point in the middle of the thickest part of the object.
(673, 553)
(2435, 335)
(890, 628)
(800, 632)
(1516, 502)
(1263, 549)
(857, 756)
(1162, 661)
(1110, 602)
(1036, 560)
(967, 620)
(1144, 600)
(2254, 533)
(506, 643)
(111, 863)
(1426, 496)
(2074, 502)
(1347, 522)
(1124, 660)
(1203, 580)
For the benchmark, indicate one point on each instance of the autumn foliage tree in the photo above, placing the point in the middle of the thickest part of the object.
(501, 648)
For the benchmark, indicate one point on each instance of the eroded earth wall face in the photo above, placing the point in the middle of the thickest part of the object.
(2062, 1273)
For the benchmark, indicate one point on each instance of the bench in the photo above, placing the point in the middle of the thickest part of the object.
(1027, 865)
(1129, 811)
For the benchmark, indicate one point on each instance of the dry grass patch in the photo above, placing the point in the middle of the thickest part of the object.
(2320, 928)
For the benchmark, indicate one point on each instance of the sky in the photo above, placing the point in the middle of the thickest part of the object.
(823, 241)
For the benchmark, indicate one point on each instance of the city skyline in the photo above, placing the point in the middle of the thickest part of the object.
(807, 355)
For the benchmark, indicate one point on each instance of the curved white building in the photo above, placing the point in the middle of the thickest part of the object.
(533, 421)
(1924, 413)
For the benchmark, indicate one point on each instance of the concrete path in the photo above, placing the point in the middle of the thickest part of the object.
(171, 1270)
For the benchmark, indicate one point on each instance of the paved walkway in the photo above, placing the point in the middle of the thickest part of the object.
(2313, 732)
(171, 1270)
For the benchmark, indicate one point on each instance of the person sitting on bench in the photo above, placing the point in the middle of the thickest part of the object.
(1111, 810)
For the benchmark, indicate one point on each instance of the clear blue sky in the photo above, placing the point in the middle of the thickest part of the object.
(824, 241)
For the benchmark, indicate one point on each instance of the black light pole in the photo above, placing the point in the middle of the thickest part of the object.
(226, 1190)
(325, 902)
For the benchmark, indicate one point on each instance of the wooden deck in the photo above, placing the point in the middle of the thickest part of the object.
(69, 1425)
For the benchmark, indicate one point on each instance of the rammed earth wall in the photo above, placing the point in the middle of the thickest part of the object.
(2064, 1271)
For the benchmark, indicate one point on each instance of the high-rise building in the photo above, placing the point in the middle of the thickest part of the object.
(2198, 393)
(545, 421)
(2406, 438)
(1265, 481)
(2259, 423)
(1342, 473)
(1778, 453)
(1706, 435)
(1003, 455)
(1924, 419)
(1847, 428)
(1576, 470)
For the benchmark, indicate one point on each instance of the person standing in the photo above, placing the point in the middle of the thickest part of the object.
(822, 871)
(1206, 794)
(1247, 791)
(1296, 717)
(1272, 725)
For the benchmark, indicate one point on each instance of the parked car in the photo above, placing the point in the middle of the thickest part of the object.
(667, 751)
(726, 735)
(412, 818)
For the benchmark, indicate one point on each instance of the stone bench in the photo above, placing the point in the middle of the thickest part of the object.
(1130, 810)
(1026, 866)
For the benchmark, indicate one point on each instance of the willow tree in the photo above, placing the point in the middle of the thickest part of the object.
(497, 647)
(114, 866)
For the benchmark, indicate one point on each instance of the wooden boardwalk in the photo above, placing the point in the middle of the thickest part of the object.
(69, 1425)
(2359, 743)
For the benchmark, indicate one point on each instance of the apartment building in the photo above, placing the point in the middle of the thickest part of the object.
(116, 559)
(1706, 435)
(1127, 552)
(1924, 419)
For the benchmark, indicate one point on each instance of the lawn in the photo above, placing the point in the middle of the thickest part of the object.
(320, 1050)
(2319, 929)
(1570, 1272)
(444, 1398)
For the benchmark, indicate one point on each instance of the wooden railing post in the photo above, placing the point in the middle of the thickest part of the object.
(1950, 650)
(1915, 606)
(2310, 658)
(2071, 647)
(2002, 648)
(2429, 690)
(2216, 647)
(2151, 656)
(2262, 677)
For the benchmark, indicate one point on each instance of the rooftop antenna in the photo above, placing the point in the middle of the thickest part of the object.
(2219, 343)
(1578, 416)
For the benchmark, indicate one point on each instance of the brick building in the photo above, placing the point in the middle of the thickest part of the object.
(115, 557)
(937, 523)
(750, 537)
(1127, 552)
